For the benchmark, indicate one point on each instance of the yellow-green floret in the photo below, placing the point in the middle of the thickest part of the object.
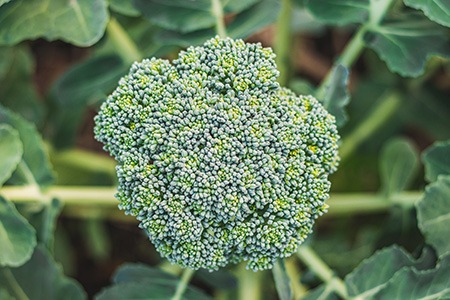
(218, 162)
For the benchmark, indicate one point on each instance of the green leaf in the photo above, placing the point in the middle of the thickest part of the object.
(135, 272)
(253, 19)
(339, 12)
(406, 43)
(220, 279)
(17, 87)
(44, 221)
(374, 273)
(42, 278)
(236, 6)
(17, 237)
(138, 281)
(125, 8)
(433, 214)
(10, 151)
(336, 96)
(183, 16)
(437, 160)
(4, 295)
(399, 164)
(34, 153)
(84, 84)
(410, 283)
(282, 281)
(436, 10)
(80, 22)
(195, 38)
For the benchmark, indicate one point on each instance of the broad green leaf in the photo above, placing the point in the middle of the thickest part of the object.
(253, 19)
(148, 290)
(322, 292)
(339, 12)
(17, 237)
(405, 44)
(336, 96)
(437, 160)
(10, 151)
(124, 7)
(433, 214)
(375, 272)
(44, 221)
(17, 87)
(3, 2)
(410, 283)
(183, 16)
(282, 281)
(35, 156)
(399, 164)
(436, 10)
(220, 279)
(236, 6)
(80, 22)
(136, 272)
(195, 38)
(42, 278)
(138, 281)
(84, 84)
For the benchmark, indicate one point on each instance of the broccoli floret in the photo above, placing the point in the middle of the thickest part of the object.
(218, 162)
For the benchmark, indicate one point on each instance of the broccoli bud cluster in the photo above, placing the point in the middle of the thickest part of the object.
(218, 162)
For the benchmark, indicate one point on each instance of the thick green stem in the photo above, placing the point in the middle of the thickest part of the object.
(217, 11)
(283, 41)
(250, 284)
(125, 46)
(14, 286)
(89, 202)
(375, 120)
(351, 53)
(321, 269)
(183, 283)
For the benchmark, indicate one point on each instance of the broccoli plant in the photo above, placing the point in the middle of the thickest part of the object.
(224, 122)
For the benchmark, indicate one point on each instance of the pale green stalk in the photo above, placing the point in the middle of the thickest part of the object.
(183, 283)
(250, 283)
(217, 11)
(124, 45)
(321, 269)
(283, 40)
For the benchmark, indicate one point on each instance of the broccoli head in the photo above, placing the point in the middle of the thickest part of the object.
(218, 163)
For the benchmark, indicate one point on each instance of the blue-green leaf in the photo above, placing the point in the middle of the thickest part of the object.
(336, 96)
(42, 278)
(253, 19)
(436, 10)
(282, 281)
(322, 292)
(136, 272)
(339, 12)
(410, 283)
(35, 156)
(375, 272)
(399, 164)
(80, 22)
(433, 214)
(220, 279)
(405, 44)
(437, 160)
(124, 7)
(10, 151)
(84, 84)
(17, 236)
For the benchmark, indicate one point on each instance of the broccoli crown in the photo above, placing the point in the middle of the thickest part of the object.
(217, 161)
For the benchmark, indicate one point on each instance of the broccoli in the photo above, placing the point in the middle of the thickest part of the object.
(217, 162)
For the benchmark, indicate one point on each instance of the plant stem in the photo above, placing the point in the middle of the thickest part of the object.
(249, 284)
(321, 269)
(375, 120)
(217, 11)
(16, 289)
(125, 46)
(88, 202)
(183, 283)
(282, 45)
(348, 57)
